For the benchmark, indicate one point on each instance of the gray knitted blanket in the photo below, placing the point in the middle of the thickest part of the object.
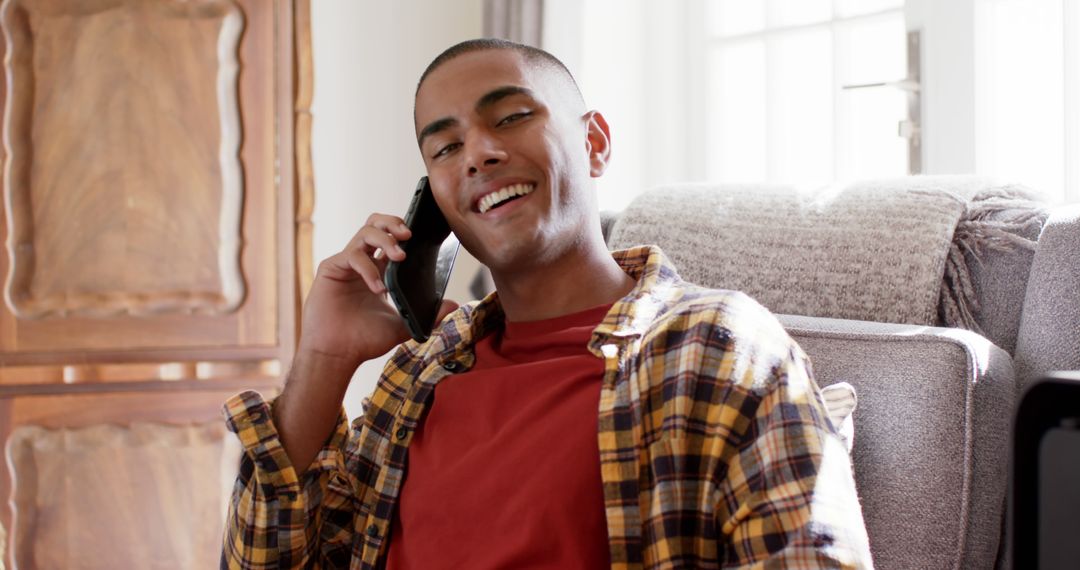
(877, 250)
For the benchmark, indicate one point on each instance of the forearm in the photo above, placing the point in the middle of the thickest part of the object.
(308, 409)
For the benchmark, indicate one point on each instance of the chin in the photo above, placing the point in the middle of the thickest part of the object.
(507, 260)
(510, 257)
(495, 250)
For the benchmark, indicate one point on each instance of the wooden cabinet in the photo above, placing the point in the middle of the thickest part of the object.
(156, 235)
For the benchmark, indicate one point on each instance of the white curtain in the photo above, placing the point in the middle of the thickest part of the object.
(521, 21)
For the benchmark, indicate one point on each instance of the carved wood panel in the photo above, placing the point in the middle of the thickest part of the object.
(143, 185)
(134, 164)
(136, 432)
(146, 495)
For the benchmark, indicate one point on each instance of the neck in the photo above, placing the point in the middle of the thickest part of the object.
(584, 278)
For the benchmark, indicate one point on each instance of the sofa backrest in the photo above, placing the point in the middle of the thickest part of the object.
(999, 275)
(1000, 278)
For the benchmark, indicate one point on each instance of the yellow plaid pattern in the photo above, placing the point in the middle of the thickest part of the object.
(715, 448)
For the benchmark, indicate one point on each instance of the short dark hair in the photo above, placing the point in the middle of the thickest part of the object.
(531, 54)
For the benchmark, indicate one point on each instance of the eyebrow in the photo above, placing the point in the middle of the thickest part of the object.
(486, 101)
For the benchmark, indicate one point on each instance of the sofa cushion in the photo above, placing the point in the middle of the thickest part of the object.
(854, 252)
(933, 423)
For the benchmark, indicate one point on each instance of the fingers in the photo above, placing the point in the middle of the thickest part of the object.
(392, 226)
(369, 251)
(382, 234)
(369, 271)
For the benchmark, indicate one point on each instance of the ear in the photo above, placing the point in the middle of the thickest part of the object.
(597, 142)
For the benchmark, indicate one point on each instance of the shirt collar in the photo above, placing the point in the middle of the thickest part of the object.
(629, 316)
(656, 288)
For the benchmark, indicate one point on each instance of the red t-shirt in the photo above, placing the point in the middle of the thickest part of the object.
(504, 471)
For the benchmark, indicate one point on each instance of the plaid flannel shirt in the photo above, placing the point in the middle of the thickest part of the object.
(715, 449)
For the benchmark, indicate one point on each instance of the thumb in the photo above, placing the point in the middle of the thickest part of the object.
(446, 308)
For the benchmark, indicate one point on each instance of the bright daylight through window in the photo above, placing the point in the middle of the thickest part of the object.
(760, 91)
(777, 110)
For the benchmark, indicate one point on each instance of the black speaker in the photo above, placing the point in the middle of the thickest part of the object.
(1044, 497)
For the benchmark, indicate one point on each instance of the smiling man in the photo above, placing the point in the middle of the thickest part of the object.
(596, 411)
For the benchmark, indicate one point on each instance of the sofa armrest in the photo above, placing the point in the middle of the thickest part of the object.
(931, 435)
(1049, 337)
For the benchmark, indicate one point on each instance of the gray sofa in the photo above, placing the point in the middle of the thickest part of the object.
(935, 403)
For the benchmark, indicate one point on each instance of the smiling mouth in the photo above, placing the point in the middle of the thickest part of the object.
(510, 193)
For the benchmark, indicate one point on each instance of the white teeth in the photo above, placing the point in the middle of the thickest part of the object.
(491, 200)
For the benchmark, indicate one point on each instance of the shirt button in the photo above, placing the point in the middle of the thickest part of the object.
(373, 531)
(452, 366)
(401, 433)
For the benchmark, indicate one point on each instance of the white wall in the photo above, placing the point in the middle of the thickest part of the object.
(630, 62)
(368, 56)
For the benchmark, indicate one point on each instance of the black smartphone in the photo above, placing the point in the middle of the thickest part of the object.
(417, 283)
(1045, 497)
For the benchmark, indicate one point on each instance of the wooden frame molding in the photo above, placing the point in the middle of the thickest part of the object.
(305, 172)
(258, 370)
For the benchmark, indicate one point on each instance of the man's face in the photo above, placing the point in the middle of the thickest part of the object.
(510, 152)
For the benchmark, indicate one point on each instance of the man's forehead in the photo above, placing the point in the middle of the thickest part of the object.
(468, 77)
(478, 66)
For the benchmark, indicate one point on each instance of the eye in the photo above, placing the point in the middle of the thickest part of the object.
(446, 150)
(514, 117)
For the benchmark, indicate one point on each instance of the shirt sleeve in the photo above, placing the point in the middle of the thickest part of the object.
(789, 498)
(277, 519)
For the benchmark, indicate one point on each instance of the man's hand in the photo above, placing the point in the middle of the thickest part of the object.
(347, 320)
(347, 314)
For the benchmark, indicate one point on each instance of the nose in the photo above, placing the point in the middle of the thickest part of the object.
(483, 151)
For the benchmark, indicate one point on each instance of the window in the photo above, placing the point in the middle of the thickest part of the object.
(753, 90)
(745, 90)
(778, 112)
